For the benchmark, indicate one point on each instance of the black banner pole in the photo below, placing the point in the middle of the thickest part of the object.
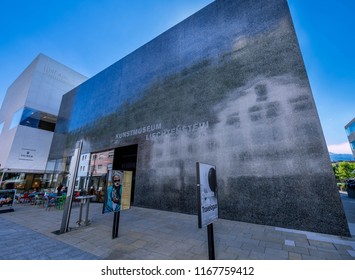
(116, 223)
(210, 242)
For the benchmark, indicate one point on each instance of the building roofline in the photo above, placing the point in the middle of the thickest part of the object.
(347, 125)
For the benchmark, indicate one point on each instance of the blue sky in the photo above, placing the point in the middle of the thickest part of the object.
(90, 35)
(326, 33)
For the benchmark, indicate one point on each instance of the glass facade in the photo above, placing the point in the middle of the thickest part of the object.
(37, 119)
(352, 144)
(100, 166)
(93, 178)
(34, 118)
(56, 172)
(350, 129)
(1, 127)
(23, 182)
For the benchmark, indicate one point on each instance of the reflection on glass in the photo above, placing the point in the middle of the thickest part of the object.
(21, 181)
(37, 119)
(33, 118)
(350, 129)
(50, 165)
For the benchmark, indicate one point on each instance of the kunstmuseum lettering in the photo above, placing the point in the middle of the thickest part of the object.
(154, 131)
(138, 131)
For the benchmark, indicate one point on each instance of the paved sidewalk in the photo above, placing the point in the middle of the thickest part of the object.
(152, 234)
(20, 243)
(349, 208)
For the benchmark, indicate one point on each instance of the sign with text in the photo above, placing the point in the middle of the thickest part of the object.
(118, 193)
(206, 194)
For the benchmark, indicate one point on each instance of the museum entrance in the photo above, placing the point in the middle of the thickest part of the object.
(125, 158)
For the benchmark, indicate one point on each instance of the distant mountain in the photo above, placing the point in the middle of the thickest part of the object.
(341, 157)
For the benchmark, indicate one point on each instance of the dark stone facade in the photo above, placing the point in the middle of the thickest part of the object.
(227, 86)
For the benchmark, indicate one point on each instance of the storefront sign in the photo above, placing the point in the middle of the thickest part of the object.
(207, 194)
(27, 154)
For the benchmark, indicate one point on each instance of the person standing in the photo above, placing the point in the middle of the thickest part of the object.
(59, 190)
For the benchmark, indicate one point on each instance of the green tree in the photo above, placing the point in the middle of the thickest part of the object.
(345, 170)
(336, 171)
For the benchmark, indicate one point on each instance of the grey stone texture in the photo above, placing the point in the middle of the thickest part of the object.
(228, 87)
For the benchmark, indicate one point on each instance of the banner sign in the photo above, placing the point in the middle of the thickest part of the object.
(7, 199)
(118, 193)
(206, 194)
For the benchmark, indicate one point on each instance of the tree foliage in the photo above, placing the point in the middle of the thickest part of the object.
(344, 170)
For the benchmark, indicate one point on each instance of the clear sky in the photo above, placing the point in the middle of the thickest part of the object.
(90, 35)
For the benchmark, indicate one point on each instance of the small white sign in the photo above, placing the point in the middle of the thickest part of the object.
(27, 154)
(207, 194)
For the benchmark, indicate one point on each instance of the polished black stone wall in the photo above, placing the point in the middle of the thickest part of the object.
(227, 87)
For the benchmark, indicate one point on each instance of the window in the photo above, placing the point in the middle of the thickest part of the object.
(37, 119)
(99, 167)
(350, 129)
(352, 144)
(33, 118)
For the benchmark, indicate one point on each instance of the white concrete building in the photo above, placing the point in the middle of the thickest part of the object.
(27, 120)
